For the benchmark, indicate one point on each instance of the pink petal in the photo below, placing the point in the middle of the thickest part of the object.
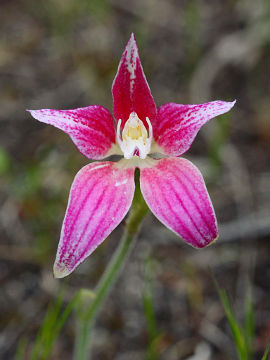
(175, 191)
(100, 197)
(177, 125)
(91, 128)
(130, 89)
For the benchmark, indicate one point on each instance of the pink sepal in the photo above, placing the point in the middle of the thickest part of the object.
(175, 192)
(130, 89)
(177, 125)
(91, 128)
(100, 197)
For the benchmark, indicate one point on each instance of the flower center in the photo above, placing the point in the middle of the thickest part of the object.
(135, 141)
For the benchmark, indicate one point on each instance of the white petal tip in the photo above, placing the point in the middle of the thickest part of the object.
(132, 42)
(231, 104)
(60, 272)
(34, 113)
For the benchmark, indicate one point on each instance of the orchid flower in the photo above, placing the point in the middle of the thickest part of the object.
(102, 191)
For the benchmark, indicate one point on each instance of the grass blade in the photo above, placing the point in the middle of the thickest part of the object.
(265, 355)
(237, 332)
(51, 327)
(149, 313)
(249, 329)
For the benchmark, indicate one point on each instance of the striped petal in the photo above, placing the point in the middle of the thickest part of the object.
(177, 125)
(130, 89)
(91, 128)
(100, 197)
(175, 192)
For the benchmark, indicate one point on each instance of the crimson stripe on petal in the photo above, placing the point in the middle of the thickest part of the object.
(130, 89)
(99, 190)
(190, 187)
(91, 128)
(100, 197)
(177, 125)
(84, 192)
(164, 203)
(111, 209)
(191, 207)
(175, 192)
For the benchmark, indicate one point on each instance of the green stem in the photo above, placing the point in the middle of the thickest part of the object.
(87, 315)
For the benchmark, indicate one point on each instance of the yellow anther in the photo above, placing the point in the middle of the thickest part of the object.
(134, 137)
(134, 128)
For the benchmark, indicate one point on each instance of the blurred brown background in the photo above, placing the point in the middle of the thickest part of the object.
(64, 54)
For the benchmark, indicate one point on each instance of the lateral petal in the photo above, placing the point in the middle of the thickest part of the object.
(177, 125)
(91, 128)
(175, 192)
(100, 197)
(130, 89)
